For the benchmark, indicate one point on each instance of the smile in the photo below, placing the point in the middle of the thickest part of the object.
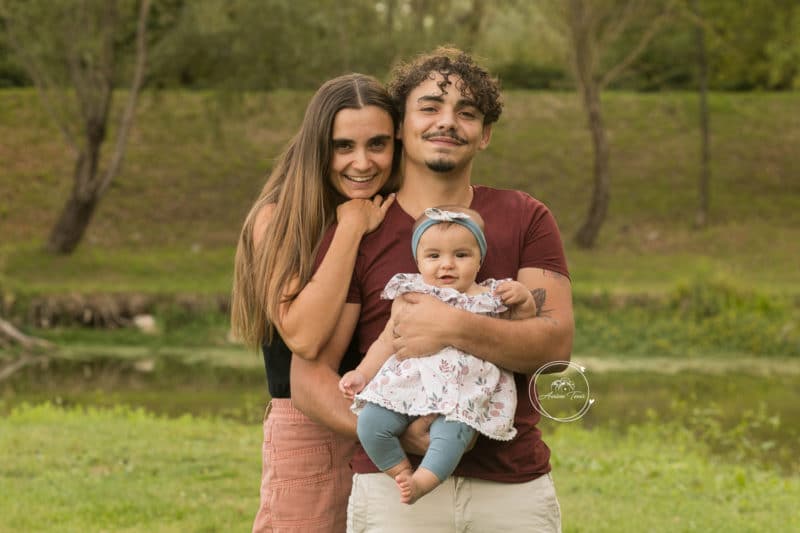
(449, 139)
(359, 179)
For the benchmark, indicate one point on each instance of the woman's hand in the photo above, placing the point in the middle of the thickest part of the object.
(367, 214)
(352, 383)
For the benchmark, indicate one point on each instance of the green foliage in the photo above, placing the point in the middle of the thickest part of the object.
(702, 317)
(273, 44)
(268, 44)
(519, 75)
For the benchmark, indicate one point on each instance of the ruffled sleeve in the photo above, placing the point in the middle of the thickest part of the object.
(403, 283)
(487, 302)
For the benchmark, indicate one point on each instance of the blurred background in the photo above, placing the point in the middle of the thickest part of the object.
(135, 135)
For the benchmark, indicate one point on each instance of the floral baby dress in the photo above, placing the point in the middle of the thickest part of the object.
(452, 383)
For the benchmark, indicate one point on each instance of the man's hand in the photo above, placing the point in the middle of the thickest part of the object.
(420, 325)
(352, 383)
(417, 436)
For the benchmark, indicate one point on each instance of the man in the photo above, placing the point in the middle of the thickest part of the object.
(448, 105)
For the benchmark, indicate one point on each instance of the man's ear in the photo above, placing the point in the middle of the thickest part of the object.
(485, 137)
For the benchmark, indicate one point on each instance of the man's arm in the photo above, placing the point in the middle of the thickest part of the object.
(315, 384)
(425, 325)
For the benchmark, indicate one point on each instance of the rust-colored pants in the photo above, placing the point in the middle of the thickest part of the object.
(306, 476)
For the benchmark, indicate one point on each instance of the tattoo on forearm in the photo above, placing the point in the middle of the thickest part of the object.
(539, 297)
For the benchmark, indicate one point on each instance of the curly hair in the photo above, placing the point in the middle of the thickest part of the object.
(448, 61)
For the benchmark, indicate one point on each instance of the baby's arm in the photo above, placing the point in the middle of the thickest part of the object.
(355, 380)
(518, 298)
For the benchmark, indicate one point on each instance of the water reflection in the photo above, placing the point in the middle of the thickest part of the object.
(744, 416)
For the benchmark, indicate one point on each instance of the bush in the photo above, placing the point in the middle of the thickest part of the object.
(521, 75)
(702, 317)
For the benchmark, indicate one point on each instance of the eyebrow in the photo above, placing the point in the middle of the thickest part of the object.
(381, 137)
(462, 102)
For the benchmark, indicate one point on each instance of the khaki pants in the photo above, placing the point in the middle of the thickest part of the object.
(457, 505)
(306, 474)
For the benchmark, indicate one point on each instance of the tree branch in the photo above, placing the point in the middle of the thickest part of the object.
(44, 86)
(641, 46)
(8, 331)
(130, 109)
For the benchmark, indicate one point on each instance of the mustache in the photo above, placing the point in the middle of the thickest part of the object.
(449, 133)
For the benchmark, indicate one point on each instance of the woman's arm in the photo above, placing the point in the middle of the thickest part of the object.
(320, 302)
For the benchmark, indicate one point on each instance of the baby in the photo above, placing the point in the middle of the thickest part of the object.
(470, 395)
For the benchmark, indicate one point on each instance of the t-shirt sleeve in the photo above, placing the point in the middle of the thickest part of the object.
(543, 247)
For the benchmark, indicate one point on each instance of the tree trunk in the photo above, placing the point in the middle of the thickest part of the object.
(701, 217)
(585, 53)
(472, 22)
(77, 213)
(71, 225)
(598, 208)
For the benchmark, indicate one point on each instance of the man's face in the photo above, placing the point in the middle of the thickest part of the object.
(442, 128)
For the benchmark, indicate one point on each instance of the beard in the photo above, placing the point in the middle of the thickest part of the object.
(440, 165)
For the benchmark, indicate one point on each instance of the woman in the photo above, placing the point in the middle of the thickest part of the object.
(286, 299)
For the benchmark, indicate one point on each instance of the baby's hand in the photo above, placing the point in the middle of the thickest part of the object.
(516, 296)
(352, 383)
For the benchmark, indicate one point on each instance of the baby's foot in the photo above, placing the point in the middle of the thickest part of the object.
(405, 482)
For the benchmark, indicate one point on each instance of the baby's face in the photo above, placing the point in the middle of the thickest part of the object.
(448, 256)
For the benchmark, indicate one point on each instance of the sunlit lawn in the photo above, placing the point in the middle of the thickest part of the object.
(122, 470)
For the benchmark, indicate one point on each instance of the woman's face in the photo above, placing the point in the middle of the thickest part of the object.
(363, 148)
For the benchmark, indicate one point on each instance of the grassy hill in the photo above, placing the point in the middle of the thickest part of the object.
(196, 161)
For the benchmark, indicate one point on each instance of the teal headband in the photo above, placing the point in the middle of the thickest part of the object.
(437, 216)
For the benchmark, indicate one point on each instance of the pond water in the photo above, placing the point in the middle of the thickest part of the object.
(745, 413)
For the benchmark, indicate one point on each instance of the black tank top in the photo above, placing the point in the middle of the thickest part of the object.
(278, 361)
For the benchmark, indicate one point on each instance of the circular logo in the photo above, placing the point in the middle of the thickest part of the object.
(562, 396)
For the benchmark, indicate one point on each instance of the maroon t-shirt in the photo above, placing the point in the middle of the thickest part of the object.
(520, 233)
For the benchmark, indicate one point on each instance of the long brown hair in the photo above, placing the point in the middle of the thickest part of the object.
(305, 205)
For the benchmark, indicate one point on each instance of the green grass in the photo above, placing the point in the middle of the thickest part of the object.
(657, 477)
(196, 162)
(125, 470)
(122, 470)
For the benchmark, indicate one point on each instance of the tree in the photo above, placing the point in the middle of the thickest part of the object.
(71, 50)
(591, 27)
(701, 216)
